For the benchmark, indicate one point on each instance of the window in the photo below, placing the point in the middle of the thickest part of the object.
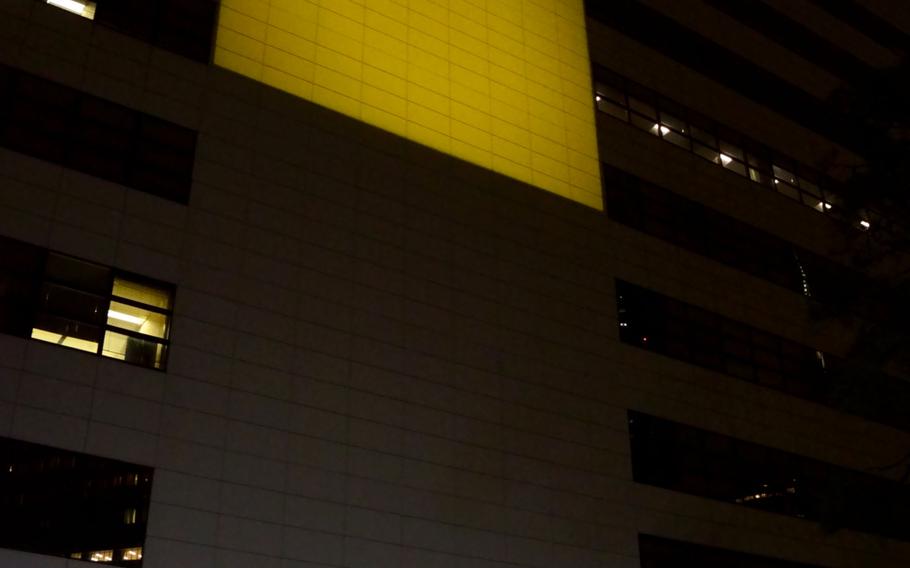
(699, 229)
(70, 302)
(659, 552)
(20, 270)
(68, 504)
(137, 323)
(698, 462)
(655, 322)
(620, 98)
(79, 7)
(70, 128)
(184, 27)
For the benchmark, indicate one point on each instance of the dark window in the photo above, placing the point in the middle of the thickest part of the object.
(73, 505)
(657, 552)
(70, 128)
(687, 129)
(695, 461)
(185, 27)
(679, 330)
(699, 229)
(675, 40)
(70, 302)
(20, 272)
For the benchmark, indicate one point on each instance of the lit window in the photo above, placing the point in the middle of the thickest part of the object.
(783, 175)
(137, 323)
(731, 157)
(78, 7)
(101, 556)
(129, 516)
(611, 101)
(131, 554)
(673, 130)
(88, 307)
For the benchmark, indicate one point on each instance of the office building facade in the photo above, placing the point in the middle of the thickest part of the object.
(449, 283)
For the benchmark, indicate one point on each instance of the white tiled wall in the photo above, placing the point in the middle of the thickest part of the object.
(380, 357)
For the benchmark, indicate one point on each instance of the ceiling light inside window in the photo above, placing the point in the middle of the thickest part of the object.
(124, 317)
(865, 224)
(725, 159)
(598, 98)
(84, 9)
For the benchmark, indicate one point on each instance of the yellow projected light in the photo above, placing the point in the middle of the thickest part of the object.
(504, 84)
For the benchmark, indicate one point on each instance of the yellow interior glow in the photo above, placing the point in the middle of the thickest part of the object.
(504, 84)
(66, 341)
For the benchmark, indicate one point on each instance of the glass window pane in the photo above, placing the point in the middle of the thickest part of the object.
(78, 274)
(705, 152)
(759, 177)
(613, 109)
(784, 175)
(643, 108)
(69, 504)
(809, 187)
(143, 293)
(84, 8)
(732, 150)
(672, 122)
(65, 340)
(71, 304)
(787, 190)
(759, 163)
(136, 319)
(610, 93)
(732, 164)
(704, 137)
(144, 352)
(646, 124)
(674, 137)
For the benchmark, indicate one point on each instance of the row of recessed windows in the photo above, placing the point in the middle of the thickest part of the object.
(62, 125)
(685, 129)
(692, 334)
(699, 229)
(60, 299)
(73, 505)
(657, 552)
(184, 27)
(698, 462)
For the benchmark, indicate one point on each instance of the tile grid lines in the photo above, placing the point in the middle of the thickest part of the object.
(593, 166)
(427, 257)
(349, 445)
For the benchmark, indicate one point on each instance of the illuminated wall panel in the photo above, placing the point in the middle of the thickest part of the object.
(501, 83)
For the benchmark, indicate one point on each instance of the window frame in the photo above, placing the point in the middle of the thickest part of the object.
(38, 307)
(755, 161)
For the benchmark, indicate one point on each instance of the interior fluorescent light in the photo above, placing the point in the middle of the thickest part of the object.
(664, 129)
(725, 159)
(69, 5)
(124, 317)
(865, 224)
